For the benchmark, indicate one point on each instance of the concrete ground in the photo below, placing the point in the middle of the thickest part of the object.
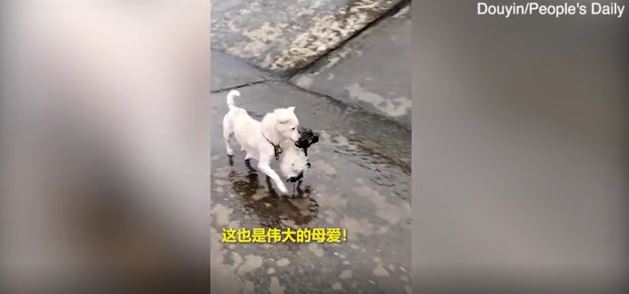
(370, 70)
(283, 36)
(360, 175)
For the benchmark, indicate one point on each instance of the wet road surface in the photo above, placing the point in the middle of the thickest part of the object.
(283, 36)
(359, 180)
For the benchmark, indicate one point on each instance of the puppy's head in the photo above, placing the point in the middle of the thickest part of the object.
(306, 138)
(287, 123)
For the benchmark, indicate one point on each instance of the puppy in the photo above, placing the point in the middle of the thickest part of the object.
(295, 160)
(260, 140)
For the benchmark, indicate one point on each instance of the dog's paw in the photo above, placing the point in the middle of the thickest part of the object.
(283, 190)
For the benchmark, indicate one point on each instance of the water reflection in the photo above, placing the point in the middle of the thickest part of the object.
(273, 210)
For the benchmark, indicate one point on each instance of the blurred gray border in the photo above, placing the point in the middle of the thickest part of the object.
(519, 148)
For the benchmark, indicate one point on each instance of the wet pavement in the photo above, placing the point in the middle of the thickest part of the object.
(283, 36)
(231, 72)
(370, 71)
(359, 180)
(361, 167)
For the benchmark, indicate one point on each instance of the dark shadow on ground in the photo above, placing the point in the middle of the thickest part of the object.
(274, 210)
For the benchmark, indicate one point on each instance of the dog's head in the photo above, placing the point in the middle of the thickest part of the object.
(287, 123)
(306, 138)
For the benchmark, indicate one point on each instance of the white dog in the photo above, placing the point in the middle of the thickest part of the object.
(260, 140)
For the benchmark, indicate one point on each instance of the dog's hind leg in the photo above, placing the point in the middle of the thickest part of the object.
(248, 158)
(248, 165)
(226, 136)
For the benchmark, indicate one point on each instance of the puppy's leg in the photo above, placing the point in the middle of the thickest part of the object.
(263, 165)
(296, 189)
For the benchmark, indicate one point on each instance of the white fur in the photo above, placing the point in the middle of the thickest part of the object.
(277, 126)
(294, 160)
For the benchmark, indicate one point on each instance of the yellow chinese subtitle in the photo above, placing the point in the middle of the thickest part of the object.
(288, 235)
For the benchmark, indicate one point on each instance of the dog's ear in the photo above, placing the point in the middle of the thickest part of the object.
(291, 109)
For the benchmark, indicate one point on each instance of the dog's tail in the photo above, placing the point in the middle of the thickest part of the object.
(230, 97)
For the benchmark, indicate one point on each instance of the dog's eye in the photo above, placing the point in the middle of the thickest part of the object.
(292, 129)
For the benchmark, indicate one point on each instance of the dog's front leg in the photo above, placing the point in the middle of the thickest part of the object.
(263, 165)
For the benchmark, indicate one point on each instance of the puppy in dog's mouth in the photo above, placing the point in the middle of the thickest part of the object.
(295, 160)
